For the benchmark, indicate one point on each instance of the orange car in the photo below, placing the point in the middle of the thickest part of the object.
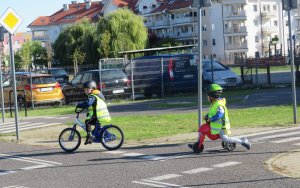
(45, 89)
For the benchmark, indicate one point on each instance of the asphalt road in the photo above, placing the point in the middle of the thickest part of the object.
(166, 165)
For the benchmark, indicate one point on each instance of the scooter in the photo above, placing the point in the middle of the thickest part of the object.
(204, 130)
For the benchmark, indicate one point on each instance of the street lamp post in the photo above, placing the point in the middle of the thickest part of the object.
(200, 4)
(288, 5)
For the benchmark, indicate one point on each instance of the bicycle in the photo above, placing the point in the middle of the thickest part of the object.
(110, 136)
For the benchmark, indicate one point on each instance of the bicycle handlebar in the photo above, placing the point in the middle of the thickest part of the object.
(78, 110)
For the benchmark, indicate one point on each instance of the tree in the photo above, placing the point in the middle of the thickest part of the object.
(32, 52)
(78, 58)
(126, 30)
(80, 36)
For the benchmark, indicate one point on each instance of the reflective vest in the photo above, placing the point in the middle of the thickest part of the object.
(222, 123)
(100, 109)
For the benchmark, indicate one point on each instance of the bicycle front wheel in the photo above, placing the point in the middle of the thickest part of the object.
(69, 139)
(112, 137)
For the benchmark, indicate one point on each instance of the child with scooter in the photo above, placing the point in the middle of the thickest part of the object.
(217, 123)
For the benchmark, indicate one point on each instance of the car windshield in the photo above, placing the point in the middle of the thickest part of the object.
(57, 71)
(215, 66)
(42, 80)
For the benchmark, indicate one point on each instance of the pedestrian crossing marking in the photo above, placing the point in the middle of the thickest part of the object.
(286, 140)
(26, 127)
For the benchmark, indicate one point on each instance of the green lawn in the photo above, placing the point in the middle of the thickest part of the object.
(237, 70)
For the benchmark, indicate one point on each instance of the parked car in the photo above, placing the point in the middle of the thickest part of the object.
(216, 72)
(175, 73)
(59, 74)
(113, 82)
(45, 89)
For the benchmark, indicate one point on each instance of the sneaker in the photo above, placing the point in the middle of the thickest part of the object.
(246, 143)
(89, 139)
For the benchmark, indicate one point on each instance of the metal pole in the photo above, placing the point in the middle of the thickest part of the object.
(12, 64)
(199, 67)
(1, 86)
(132, 81)
(31, 93)
(292, 68)
(162, 76)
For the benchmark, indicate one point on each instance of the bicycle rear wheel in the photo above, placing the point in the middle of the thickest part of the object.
(69, 139)
(112, 137)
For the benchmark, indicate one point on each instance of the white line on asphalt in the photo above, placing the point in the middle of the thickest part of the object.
(276, 136)
(268, 132)
(286, 140)
(165, 177)
(230, 163)
(36, 167)
(15, 186)
(114, 152)
(51, 162)
(298, 144)
(27, 128)
(133, 154)
(13, 127)
(175, 157)
(152, 157)
(29, 160)
(149, 184)
(163, 183)
(13, 123)
(197, 170)
(5, 172)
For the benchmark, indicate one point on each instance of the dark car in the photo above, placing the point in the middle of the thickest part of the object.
(113, 82)
(59, 74)
(172, 73)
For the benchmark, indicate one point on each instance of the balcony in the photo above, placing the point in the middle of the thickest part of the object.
(269, 15)
(270, 30)
(234, 31)
(235, 15)
(236, 47)
(183, 20)
(180, 35)
(155, 24)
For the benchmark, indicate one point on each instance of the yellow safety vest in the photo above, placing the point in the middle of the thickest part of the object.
(222, 123)
(101, 111)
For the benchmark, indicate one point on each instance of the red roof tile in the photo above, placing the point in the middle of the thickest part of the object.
(75, 12)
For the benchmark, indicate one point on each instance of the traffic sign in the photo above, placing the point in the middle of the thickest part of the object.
(10, 20)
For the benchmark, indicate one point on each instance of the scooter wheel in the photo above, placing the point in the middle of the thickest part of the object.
(230, 146)
(196, 149)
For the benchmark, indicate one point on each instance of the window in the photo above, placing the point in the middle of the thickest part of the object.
(286, 23)
(213, 42)
(274, 7)
(204, 43)
(255, 23)
(256, 38)
(204, 28)
(275, 22)
(212, 27)
(203, 13)
(255, 8)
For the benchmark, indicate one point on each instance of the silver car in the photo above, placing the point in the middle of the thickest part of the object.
(215, 72)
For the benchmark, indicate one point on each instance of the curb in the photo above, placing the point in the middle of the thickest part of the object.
(280, 164)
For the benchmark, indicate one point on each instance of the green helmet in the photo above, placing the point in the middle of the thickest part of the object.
(214, 90)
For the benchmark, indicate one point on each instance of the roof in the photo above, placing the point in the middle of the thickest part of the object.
(74, 13)
(173, 5)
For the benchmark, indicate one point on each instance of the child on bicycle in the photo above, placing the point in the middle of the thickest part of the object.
(97, 109)
(217, 120)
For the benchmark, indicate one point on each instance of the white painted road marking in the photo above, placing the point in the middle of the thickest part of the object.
(27, 127)
(165, 177)
(5, 172)
(230, 163)
(286, 140)
(40, 163)
(197, 170)
(277, 135)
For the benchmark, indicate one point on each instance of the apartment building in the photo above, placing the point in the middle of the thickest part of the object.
(231, 29)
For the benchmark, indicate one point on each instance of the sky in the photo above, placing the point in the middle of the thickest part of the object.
(29, 10)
